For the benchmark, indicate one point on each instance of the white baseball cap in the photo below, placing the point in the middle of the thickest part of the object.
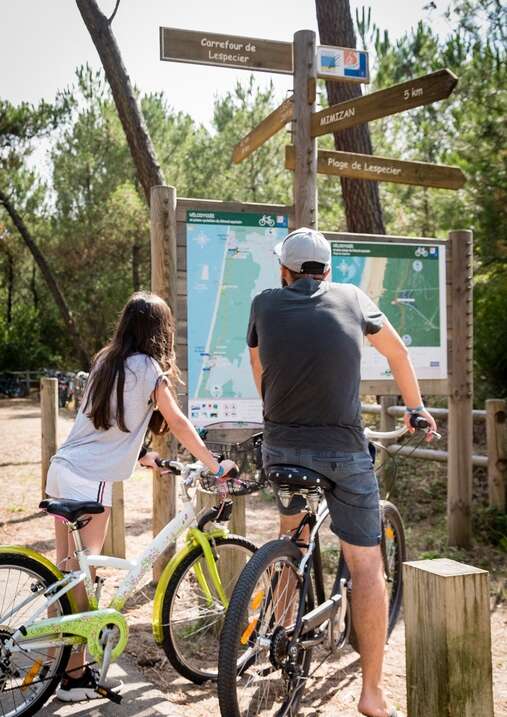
(305, 246)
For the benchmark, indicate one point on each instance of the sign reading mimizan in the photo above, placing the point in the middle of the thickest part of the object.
(405, 96)
(342, 63)
(381, 169)
(207, 48)
(266, 129)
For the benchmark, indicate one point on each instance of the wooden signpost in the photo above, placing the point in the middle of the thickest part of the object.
(382, 169)
(208, 48)
(399, 98)
(266, 129)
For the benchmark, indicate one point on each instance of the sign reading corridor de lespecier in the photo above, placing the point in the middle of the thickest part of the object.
(208, 48)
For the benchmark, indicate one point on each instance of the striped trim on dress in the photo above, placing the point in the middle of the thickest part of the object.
(100, 492)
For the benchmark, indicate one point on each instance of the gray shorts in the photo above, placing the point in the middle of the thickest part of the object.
(354, 501)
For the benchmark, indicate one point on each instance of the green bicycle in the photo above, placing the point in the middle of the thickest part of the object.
(39, 624)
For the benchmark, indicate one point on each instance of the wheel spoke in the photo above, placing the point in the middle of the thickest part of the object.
(28, 673)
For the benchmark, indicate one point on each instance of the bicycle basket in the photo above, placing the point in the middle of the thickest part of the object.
(241, 443)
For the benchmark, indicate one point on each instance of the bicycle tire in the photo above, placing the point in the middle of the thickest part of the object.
(391, 516)
(169, 641)
(45, 575)
(233, 627)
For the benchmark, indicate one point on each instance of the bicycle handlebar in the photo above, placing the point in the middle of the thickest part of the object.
(417, 422)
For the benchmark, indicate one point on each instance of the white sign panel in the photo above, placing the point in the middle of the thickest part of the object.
(407, 282)
(230, 259)
(342, 63)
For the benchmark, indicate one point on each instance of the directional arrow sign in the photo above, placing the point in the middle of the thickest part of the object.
(266, 129)
(414, 93)
(382, 169)
(208, 48)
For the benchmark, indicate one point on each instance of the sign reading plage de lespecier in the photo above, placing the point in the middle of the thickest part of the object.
(208, 48)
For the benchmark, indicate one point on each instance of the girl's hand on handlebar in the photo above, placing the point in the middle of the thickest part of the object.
(432, 426)
(149, 461)
(229, 468)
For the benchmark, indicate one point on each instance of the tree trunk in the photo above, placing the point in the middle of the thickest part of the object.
(139, 141)
(50, 280)
(361, 198)
(33, 287)
(10, 286)
(136, 257)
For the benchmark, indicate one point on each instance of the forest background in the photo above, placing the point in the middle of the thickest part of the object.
(88, 215)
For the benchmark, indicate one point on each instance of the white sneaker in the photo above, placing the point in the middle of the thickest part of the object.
(81, 689)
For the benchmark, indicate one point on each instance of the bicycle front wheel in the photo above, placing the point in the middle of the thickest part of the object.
(193, 612)
(261, 670)
(29, 673)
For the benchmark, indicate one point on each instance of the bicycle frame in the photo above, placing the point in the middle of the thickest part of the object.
(88, 626)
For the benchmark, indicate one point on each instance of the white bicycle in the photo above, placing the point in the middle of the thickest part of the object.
(39, 623)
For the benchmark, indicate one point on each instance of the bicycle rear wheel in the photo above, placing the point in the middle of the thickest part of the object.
(257, 637)
(192, 611)
(28, 674)
(394, 553)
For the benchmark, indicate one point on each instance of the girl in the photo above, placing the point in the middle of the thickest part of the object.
(132, 375)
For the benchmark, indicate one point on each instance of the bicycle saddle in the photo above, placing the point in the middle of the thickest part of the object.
(297, 477)
(71, 510)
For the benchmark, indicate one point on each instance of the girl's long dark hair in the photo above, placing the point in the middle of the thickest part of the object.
(145, 326)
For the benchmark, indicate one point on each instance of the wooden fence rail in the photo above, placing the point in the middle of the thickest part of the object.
(164, 505)
(495, 460)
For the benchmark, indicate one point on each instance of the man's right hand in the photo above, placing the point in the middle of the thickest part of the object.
(427, 417)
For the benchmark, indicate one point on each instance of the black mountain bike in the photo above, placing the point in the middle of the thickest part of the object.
(279, 610)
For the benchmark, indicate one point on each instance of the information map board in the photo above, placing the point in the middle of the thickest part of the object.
(407, 282)
(230, 259)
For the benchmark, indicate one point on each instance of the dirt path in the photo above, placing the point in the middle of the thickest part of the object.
(335, 686)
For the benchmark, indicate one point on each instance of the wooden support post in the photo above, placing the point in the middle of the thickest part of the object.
(496, 434)
(387, 423)
(460, 369)
(447, 639)
(163, 283)
(49, 425)
(114, 544)
(305, 88)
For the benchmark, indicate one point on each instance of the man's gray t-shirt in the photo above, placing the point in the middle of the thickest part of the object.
(310, 338)
(100, 455)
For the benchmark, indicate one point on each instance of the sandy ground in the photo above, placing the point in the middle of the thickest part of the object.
(335, 686)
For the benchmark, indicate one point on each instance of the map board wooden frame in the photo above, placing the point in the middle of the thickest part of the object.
(378, 387)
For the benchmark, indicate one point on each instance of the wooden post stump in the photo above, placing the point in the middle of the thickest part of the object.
(49, 425)
(448, 639)
(114, 544)
(496, 433)
(163, 283)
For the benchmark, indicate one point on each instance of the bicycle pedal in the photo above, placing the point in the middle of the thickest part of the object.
(109, 694)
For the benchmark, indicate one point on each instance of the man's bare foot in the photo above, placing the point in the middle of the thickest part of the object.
(372, 703)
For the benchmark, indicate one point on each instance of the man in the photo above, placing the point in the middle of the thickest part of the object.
(305, 343)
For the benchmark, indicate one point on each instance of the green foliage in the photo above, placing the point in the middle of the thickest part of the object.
(29, 340)
(490, 526)
(24, 122)
(90, 218)
(467, 130)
